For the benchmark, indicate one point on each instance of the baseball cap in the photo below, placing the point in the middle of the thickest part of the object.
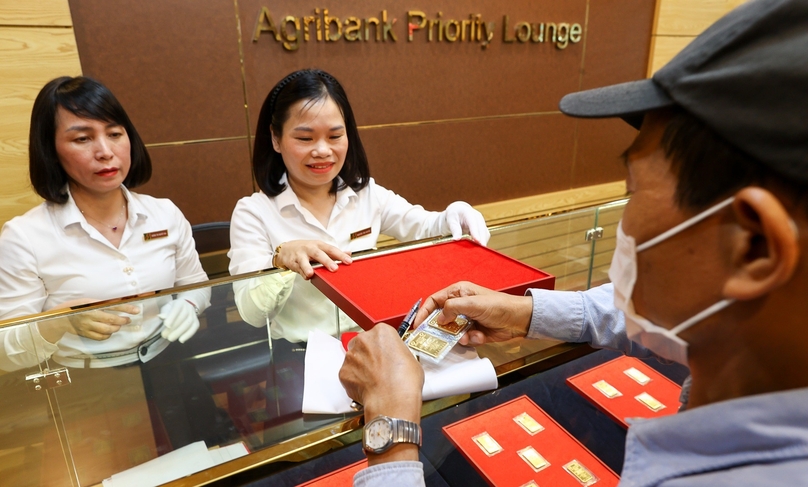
(746, 77)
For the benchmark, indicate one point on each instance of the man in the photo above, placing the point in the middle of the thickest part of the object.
(709, 269)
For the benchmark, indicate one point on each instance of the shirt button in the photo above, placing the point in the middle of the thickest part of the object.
(134, 283)
(128, 270)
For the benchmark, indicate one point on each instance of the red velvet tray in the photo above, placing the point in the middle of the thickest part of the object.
(619, 408)
(384, 288)
(338, 478)
(506, 468)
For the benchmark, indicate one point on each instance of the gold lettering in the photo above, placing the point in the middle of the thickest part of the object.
(411, 26)
(489, 28)
(318, 24)
(388, 27)
(551, 25)
(563, 35)
(464, 24)
(432, 24)
(522, 30)
(327, 21)
(308, 19)
(440, 27)
(505, 29)
(265, 24)
(290, 42)
(453, 36)
(575, 33)
(538, 33)
(374, 22)
(351, 30)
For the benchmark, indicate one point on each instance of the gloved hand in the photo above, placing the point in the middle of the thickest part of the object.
(461, 216)
(179, 320)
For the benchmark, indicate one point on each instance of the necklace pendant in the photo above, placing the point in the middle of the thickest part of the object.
(114, 229)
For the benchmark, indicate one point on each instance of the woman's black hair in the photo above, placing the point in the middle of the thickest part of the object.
(314, 85)
(86, 98)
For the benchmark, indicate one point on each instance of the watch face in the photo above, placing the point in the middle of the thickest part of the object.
(378, 434)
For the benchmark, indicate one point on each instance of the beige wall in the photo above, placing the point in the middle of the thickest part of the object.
(37, 43)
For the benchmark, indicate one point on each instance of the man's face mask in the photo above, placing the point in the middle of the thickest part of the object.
(623, 274)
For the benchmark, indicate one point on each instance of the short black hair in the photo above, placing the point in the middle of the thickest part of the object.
(314, 85)
(709, 168)
(86, 98)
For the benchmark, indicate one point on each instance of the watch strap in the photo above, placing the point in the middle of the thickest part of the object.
(406, 432)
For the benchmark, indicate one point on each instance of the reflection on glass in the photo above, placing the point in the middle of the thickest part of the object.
(229, 384)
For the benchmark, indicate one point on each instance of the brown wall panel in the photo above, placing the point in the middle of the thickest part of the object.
(600, 144)
(173, 64)
(203, 180)
(480, 161)
(176, 66)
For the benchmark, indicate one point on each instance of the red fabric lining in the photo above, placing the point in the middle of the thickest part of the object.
(507, 468)
(384, 288)
(618, 408)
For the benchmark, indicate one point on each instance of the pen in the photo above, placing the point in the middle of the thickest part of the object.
(405, 325)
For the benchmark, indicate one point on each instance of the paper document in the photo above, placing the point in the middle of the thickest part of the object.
(461, 372)
(175, 465)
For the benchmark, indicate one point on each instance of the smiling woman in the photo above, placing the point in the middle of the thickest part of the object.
(317, 203)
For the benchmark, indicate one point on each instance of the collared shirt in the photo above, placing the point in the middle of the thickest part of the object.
(51, 255)
(260, 223)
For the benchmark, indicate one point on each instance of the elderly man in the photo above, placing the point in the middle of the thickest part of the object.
(709, 268)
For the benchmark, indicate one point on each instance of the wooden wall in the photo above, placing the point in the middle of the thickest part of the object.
(37, 43)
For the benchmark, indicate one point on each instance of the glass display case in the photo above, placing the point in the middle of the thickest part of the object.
(228, 399)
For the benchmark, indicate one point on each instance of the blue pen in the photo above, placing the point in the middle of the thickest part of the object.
(407, 323)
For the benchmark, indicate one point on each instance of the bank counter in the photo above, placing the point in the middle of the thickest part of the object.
(225, 405)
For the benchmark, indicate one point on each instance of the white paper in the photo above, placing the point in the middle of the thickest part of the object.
(461, 372)
(175, 465)
(322, 391)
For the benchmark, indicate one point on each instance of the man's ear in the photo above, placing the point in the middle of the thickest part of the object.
(275, 143)
(765, 246)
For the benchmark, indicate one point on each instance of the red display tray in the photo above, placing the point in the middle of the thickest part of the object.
(506, 468)
(338, 478)
(625, 406)
(383, 288)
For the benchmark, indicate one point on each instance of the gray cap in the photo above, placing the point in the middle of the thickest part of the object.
(746, 77)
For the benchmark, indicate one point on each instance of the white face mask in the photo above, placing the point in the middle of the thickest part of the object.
(623, 274)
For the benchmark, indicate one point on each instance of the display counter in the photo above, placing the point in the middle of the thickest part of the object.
(77, 416)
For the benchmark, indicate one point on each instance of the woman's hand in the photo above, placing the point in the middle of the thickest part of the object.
(97, 324)
(462, 216)
(496, 316)
(297, 255)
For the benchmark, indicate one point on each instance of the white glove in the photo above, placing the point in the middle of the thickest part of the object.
(179, 320)
(461, 216)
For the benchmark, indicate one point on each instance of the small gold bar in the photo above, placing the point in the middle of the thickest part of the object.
(487, 443)
(638, 376)
(429, 344)
(650, 401)
(528, 423)
(607, 389)
(581, 473)
(453, 327)
(533, 458)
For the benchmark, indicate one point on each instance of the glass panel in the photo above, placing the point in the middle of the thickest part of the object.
(608, 217)
(135, 397)
(31, 450)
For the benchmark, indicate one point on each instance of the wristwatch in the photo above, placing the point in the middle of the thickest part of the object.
(383, 432)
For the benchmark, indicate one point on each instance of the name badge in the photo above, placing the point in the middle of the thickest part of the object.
(154, 235)
(360, 233)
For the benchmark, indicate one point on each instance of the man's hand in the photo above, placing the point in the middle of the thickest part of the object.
(297, 255)
(381, 373)
(98, 324)
(496, 316)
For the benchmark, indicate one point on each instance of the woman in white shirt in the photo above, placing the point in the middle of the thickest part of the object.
(317, 203)
(93, 239)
